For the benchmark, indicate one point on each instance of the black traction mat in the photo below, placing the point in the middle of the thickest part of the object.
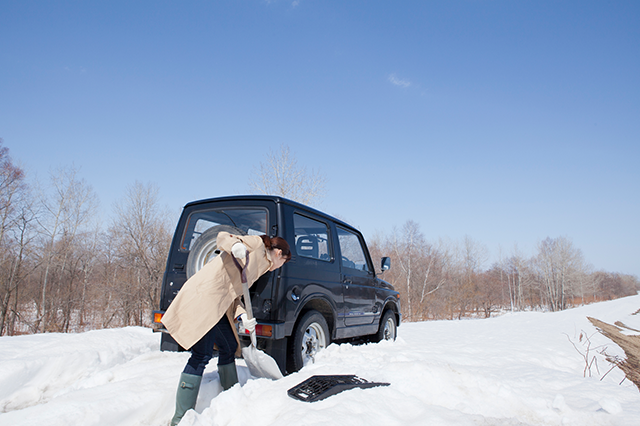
(316, 388)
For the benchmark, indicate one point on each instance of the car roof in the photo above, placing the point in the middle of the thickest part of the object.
(274, 198)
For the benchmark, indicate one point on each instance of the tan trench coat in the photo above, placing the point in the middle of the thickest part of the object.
(214, 291)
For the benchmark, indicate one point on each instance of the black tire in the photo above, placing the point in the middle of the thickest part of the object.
(310, 336)
(168, 344)
(388, 327)
(206, 248)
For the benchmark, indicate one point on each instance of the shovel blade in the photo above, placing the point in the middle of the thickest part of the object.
(260, 364)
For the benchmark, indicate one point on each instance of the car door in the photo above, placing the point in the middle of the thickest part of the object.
(313, 272)
(358, 280)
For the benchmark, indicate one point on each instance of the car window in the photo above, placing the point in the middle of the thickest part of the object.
(312, 238)
(351, 250)
(250, 220)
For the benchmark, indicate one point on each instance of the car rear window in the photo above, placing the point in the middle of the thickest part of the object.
(249, 220)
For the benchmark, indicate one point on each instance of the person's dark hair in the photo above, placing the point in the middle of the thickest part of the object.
(277, 243)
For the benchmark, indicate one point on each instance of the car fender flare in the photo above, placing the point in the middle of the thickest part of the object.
(318, 302)
(392, 303)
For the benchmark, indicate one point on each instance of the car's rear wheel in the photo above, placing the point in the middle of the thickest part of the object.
(310, 336)
(205, 248)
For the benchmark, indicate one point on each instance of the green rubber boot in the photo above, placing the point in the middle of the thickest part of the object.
(186, 395)
(228, 375)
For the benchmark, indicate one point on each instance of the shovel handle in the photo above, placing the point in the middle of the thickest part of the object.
(249, 309)
(247, 300)
(245, 292)
(245, 286)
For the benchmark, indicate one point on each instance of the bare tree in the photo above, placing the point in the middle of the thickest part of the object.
(143, 236)
(90, 246)
(281, 175)
(407, 247)
(69, 208)
(12, 187)
(108, 292)
(517, 274)
(14, 219)
(433, 276)
(490, 295)
(561, 271)
(19, 272)
(472, 256)
(420, 272)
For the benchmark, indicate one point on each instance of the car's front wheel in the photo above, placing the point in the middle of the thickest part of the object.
(388, 327)
(310, 336)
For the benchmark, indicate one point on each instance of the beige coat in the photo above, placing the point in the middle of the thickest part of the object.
(215, 290)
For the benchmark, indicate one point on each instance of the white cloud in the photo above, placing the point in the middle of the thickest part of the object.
(399, 82)
(294, 3)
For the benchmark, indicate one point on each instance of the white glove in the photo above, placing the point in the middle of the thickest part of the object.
(239, 251)
(248, 324)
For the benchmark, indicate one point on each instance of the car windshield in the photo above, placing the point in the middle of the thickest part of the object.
(249, 220)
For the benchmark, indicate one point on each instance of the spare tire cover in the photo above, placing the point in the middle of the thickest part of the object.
(205, 247)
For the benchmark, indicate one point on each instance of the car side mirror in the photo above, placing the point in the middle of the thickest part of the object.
(385, 264)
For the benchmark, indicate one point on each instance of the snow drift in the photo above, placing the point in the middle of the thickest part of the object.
(517, 369)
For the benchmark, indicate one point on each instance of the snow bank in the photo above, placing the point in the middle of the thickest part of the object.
(517, 369)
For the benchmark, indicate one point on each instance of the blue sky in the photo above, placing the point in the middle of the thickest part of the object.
(507, 121)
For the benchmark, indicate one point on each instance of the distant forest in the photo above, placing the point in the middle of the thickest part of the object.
(445, 280)
(63, 271)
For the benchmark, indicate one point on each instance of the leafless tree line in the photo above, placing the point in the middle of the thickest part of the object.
(448, 280)
(60, 271)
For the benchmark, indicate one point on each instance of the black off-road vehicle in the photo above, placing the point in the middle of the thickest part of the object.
(327, 292)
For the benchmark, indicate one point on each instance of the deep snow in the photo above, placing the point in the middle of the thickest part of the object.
(517, 369)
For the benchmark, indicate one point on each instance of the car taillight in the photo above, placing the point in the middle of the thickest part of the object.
(264, 330)
(157, 317)
(261, 330)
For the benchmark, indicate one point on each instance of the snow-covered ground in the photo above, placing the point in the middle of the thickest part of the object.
(517, 369)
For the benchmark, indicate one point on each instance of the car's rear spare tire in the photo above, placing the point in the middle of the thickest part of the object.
(205, 248)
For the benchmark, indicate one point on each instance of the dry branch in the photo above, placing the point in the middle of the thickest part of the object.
(629, 344)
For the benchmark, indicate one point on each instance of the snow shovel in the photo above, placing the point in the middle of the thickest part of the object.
(259, 363)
